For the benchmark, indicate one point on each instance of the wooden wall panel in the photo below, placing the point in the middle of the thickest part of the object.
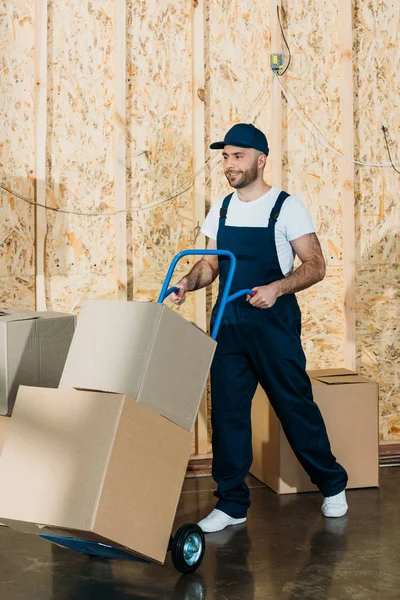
(237, 73)
(377, 56)
(313, 172)
(159, 142)
(17, 159)
(80, 171)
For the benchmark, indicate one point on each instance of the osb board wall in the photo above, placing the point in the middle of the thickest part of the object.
(80, 251)
(159, 141)
(377, 78)
(238, 84)
(312, 172)
(17, 252)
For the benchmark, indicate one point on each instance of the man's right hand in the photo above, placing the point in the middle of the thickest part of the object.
(180, 296)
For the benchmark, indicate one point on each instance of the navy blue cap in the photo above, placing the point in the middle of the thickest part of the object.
(244, 135)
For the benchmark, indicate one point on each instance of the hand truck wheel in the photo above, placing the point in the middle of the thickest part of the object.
(188, 547)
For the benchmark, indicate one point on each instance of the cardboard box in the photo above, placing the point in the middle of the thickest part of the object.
(4, 424)
(94, 466)
(33, 350)
(143, 350)
(349, 406)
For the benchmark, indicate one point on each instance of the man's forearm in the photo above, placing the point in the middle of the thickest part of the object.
(202, 275)
(308, 273)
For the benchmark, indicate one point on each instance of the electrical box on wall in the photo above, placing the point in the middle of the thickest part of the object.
(276, 61)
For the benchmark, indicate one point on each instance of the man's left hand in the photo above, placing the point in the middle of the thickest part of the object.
(265, 297)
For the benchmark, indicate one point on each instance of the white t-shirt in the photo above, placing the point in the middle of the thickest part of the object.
(294, 221)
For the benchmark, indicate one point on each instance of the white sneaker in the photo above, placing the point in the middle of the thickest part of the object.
(217, 521)
(335, 506)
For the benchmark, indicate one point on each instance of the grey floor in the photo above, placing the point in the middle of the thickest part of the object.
(285, 551)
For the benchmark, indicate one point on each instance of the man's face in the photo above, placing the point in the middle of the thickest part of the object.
(240, 165)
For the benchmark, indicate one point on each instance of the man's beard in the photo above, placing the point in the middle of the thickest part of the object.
(244, 178)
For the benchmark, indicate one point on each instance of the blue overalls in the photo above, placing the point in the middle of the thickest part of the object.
(261, 346)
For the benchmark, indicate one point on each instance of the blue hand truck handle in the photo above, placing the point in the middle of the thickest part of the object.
(225, 294)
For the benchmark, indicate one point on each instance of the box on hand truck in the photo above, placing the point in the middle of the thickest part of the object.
(98, 464)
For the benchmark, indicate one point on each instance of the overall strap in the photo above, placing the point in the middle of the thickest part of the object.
(224, 208)
(277, 208)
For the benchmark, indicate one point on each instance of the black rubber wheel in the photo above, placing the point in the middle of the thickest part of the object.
(188, 547)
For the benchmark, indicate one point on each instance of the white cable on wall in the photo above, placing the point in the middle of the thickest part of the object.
(322, 139)
(186, 185)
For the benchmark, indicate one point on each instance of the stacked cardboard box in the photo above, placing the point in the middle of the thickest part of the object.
(104, 456)
(349, 406)
(33, 350)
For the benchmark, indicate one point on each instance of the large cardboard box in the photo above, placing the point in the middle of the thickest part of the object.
(144, 350)
(33, 350)
(95, 466)
(349, 406)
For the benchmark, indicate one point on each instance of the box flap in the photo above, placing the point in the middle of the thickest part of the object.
(52, 314)
(316, 373)
(8, 316)
(174, 381)
(343, 379)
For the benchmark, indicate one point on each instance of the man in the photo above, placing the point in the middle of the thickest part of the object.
(259, 338)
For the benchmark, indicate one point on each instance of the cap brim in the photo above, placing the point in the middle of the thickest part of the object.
(221, 145)
(217, 145)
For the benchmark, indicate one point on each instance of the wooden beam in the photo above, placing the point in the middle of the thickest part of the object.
(276, 146)
(389, 454)
(120, 148)
(40, 150)
(347, 180)
(199, 205)
(199, 466)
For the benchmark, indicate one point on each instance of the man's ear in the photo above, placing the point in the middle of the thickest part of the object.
(262, 160)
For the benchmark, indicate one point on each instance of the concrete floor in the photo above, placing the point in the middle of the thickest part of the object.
(285, 551)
